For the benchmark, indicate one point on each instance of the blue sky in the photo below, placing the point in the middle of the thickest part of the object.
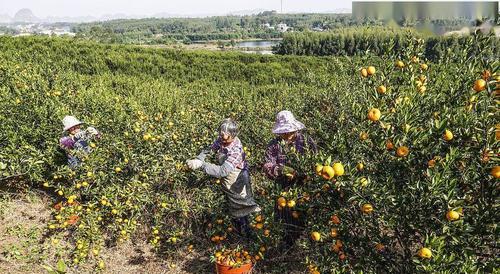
(44, 8)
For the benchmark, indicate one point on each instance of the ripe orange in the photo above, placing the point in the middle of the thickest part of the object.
(381, 89)
(315, 236)
(335, 219)
(379, 247)
(448, 135)
(290, 203)
(334, 232)
(364, 182)
(374, 114)
(258, 218)
(363, 136)
(318, 169)
(282, 201)
(495, 172)
(371, 70)
(431, 163)
(364, 72)
(452, 215)
(389, 145)
(479, 85)
(425, 253)
(338, 169)
(328, 172)
(423, 66)
(402, 151)
(367, 208)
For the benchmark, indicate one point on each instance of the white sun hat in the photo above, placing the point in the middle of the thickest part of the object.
(286, 122)
(70, 121)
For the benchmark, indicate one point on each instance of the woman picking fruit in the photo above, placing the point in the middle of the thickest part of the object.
(76, 142)
(232, 168)
(288, 131)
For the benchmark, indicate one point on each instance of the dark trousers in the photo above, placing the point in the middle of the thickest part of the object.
(242, 226)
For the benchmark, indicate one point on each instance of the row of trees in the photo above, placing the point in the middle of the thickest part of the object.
(376, 40)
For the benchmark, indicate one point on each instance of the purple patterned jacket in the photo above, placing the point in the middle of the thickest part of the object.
(275, 159)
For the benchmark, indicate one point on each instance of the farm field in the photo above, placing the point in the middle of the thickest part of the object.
(413, 145)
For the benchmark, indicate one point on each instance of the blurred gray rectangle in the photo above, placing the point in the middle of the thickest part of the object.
(399, 10)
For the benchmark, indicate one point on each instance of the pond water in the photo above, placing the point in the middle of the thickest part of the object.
(257, 44)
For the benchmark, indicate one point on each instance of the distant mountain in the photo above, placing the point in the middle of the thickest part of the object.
(5, 18)
(246, 12)
(25, 15)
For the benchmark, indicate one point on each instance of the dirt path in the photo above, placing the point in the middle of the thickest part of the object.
(25, 249)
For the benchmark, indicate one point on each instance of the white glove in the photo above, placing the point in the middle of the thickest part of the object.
(92, 131)
(194, 164)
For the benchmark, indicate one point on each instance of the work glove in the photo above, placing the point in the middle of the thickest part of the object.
(194, 164)
(92, 131)
(288, 172)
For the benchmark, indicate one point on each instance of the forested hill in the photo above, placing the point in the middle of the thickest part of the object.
(164, 30)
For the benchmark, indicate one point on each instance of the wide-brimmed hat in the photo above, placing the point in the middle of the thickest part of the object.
(70, 121)
(286, 123)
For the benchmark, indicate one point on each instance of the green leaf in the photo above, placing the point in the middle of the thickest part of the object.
(61, 266)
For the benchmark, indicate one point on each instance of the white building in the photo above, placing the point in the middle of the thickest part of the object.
(282, 27)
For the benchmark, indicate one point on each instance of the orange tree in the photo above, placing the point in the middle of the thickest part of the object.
(420, 172)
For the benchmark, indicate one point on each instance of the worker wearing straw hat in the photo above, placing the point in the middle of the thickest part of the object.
(289, 133)
(75, 141)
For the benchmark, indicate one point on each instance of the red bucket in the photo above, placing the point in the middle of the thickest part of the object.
(225, 269)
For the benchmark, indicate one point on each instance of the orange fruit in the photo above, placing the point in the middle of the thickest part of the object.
(389, 145)
(479, 85)
(431, 163)
(495, 172)
(338, 169)
(295, 214)
(367, 208)
(315, 236)
(374, 114)
(364, 72)
(282, 201)
(363, 136)
(370, 70)
(400, 64)
(425, 253)
(318, 169)
(258, 218)
(402, 151)
(290, 203)
(448, 135)
(381, 89)
(360, 166)
(334, 232)
(452, 215)
(379, 247)
(328, 172)
(423, 66)
(335, 219)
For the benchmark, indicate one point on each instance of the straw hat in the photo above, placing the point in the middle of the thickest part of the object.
(286, 122)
